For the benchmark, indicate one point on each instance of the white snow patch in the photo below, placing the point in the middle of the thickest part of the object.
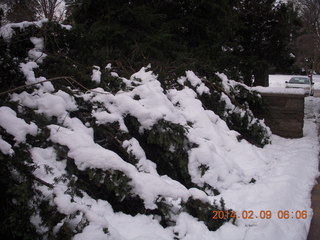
(27, 69)
(6, 31)
(67, 27)
(105, 117)
(226, 99)
(15, 126)
(278, 90)
(5, 147)
(109, 67)
(114, 74)
(36, 54)
(144, 164)
(96, 75)
(47, 166)
(57, 104)
(197, 82)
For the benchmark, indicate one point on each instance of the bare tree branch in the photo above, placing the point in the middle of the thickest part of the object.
(47, 8)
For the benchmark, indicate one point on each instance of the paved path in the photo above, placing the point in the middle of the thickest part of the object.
(316, 93)
(314, 232)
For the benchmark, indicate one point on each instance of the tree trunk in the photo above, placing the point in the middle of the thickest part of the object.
(261, 75)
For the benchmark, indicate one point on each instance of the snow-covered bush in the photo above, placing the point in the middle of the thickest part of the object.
(81, 158)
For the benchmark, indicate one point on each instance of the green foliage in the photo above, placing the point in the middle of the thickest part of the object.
(252, 99)
(213, 101)
(244, 96)
(19, 197)
(107, 135)
(249, 129)
(63, 47)
(52, 67)
(10, 74)
(252, 132)
(110, 83)
(167, 145)
(51, 217)
(57, 39)
(203, 168)
(20, 43)
(241, 118)
(203, 212)
(112, 186)
(15, 210)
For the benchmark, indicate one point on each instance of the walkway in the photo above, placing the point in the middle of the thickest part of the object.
(314, 232)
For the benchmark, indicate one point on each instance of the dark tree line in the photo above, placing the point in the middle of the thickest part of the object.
(243, 38)
(308, 43)
(267, 33)
(246, 39)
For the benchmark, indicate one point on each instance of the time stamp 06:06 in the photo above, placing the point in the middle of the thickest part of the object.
(262, 214)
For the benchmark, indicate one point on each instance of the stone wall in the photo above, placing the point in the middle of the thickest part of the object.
(286, 114)
(316, 93)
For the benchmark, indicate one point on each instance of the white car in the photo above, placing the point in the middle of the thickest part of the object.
(301, 82)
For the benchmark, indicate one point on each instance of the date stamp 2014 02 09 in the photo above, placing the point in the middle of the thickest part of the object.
(262, 214)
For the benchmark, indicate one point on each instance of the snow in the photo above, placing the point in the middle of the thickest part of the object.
(312, 109)
(279, 90)
(105, 117)
(5, 147)
(15, 126)
(212, 136)
(119, 225)
(144, 164)
(109, 67)
(197, 82)
(148, 109)
(96, 75)
(226, 99)
(82, 148)
(284, 171)
(285, 185)
(67, 27)
(45, 159)
(7, 31)
(36, 53)
(56, 104)
(231, 164)
(280, 182)
(38, 42)
(228, 83)
(27, 70)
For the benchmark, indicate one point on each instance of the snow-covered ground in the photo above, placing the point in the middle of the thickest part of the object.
(284, 184)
